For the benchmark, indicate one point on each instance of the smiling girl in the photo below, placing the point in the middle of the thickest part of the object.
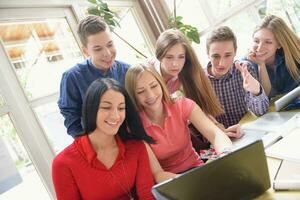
(166, 120)
(276, 51)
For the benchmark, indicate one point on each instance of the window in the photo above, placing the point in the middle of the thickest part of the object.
(39, 45)
(40, 52)
(2, 101)
(185, 8)
(221, 7)
(135, 36)
(20, 177)
(289, 10)
(53, 124)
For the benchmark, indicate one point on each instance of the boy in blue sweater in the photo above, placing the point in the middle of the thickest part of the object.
(96, 39)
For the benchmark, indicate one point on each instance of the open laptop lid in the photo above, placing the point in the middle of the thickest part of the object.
(287, 99)
(242, 174)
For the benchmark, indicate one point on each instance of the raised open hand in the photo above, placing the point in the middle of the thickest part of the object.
(249, 82)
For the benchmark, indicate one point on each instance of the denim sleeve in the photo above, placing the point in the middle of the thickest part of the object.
(257, 104)
(70, 104)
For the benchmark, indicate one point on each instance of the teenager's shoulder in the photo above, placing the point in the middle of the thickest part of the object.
(78, 68)
(66, 156)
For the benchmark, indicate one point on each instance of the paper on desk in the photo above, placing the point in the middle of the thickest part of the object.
(287, 148)
(268, 138)
(288, 176)
(270, 128)
(269, 122)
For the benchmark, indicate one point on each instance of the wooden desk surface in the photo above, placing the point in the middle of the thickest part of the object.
(273, 165)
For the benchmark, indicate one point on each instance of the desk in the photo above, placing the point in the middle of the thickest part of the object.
(273, 165)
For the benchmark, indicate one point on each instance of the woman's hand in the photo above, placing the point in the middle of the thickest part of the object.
(234, 131)
(254, 58)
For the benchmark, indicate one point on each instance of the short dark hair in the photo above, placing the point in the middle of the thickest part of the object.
(221, 34)
(89, 26)
(131, 128)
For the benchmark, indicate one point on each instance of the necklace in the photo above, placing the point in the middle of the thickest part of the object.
(127, 188)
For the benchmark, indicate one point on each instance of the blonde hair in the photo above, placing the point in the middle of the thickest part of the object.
(288, 41)
(133, 75)
(196, 84)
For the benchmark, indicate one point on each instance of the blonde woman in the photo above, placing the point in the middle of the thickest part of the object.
(276, 51)
(166, 120)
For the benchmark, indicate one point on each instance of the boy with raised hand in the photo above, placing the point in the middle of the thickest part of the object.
(96, 39)
(235, 83)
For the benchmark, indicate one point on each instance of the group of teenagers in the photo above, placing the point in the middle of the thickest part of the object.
(131, 124)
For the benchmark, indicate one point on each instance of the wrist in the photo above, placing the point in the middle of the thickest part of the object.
(259, 91)
(225, 151)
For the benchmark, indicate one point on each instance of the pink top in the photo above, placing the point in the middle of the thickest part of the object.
(173, 147)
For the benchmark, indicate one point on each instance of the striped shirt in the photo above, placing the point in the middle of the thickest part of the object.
(236, 101)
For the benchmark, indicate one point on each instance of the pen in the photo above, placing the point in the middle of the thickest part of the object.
(274, 141)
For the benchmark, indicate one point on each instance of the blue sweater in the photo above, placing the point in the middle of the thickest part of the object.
(73, 86)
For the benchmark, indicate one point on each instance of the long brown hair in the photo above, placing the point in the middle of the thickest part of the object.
(287, 39)
(196, 84)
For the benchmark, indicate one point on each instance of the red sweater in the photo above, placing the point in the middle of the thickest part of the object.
(78, 174)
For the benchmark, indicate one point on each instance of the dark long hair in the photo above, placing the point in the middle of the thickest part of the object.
(131, 128)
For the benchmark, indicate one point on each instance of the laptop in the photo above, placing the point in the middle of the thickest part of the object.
(284, 101)
(242, 174)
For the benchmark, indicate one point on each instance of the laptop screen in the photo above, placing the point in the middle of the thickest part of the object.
(242, 174)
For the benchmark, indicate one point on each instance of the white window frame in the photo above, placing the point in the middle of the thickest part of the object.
(213, 21)
(28, 127)
(138, 16)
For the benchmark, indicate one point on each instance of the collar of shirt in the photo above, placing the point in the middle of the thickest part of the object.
(146, 121)
(228, 75)
(279, 58)
(86, 149)
(94, 68)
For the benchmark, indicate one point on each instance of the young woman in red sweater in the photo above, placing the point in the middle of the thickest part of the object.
(110, 161)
